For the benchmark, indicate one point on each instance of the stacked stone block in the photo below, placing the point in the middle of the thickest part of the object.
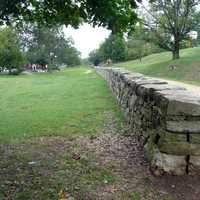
(164, 117)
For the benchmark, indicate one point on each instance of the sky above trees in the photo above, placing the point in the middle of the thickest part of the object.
(87, 38)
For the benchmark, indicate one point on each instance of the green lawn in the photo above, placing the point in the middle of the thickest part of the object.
(60, 140)
(47, 125)
(63, 103)
(157, 65)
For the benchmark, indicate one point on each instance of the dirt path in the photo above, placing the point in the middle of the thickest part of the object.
(108, 166)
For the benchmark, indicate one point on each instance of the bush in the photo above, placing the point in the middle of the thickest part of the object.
(15, 71)
(95, 57)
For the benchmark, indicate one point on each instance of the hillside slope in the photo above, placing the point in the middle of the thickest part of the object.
(187, 68)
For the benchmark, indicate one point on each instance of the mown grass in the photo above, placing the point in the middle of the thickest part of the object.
(54, 174)
(68, 103)
(41, 118)
(49, 147)
(157, 65)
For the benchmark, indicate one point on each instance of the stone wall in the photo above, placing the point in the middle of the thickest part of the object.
(164, 117)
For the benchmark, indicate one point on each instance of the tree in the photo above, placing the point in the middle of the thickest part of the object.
(198, 37)
(197, 30)
(10, 54)
(170, 22)
(47, 46)
(114, 48)
(117, 15)
(71, 57)
(96, 57)
(136, 48)
(139, 44)
(136, 44)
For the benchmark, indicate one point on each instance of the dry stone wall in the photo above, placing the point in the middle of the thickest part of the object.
(164, 117)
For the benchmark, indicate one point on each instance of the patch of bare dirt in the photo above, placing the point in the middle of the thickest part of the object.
(29, 168)
(127, 157)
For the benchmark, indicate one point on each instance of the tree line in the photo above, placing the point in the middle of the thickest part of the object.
(162, 26)
(22, 45)
(166, 24)
(118, 49)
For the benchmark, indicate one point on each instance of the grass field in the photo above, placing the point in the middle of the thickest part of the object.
(157, 65)
(63, 103)
(44, 121)
(63, 138)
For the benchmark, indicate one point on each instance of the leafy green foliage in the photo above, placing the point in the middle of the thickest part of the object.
(10, 55)
(140, 45)
(10, 9)
(71, 56)
(135, 196)
(114, 48)
(117, 15)
(170, 22)
(197, 29)
(96, 57)
(48, 46)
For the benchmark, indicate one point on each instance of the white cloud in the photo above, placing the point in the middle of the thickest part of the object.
(87, 38)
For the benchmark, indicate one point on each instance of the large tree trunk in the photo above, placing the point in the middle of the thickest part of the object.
(176, 50)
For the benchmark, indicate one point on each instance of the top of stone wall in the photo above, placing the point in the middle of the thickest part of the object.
(181, 101)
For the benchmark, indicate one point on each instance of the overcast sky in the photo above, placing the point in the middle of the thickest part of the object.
(87, 38)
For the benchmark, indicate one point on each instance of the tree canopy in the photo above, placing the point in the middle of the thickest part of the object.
(170, 22)
(117, 15)
(44, 45)
(118, 48)
(114, 48)
(10, 55)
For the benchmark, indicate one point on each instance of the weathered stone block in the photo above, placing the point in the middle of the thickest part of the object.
(183, 108)
(183, 126)
(194, 165)
(195, 138)
(194, 150)
(162, 162)
(175, 148)
(180, 148)
(172, 164)
(182, 103)
(130, 78)
(165, 116)
(168, 137)
(161, 86)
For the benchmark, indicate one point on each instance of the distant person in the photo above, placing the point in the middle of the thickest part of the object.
(109, 62)
(34, 68)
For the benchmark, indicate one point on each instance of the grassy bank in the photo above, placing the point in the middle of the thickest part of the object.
(187, 68)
